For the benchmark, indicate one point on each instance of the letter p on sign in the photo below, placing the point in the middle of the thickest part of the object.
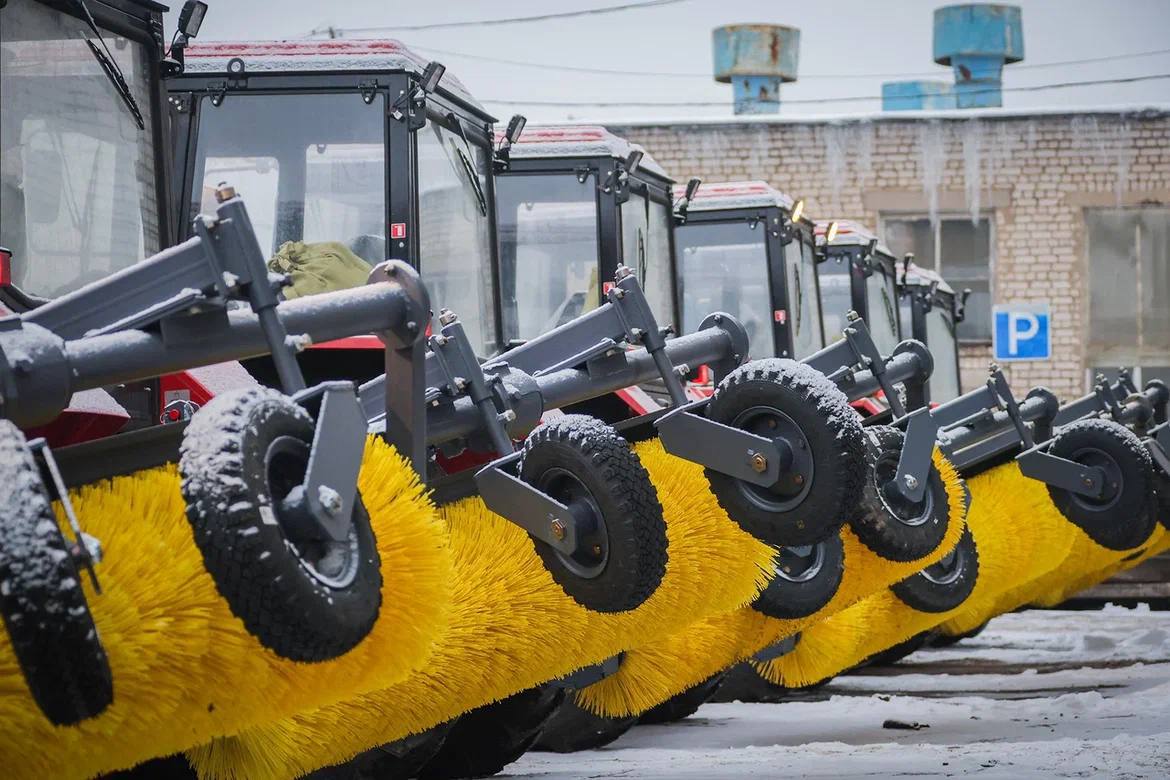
(1022, 332)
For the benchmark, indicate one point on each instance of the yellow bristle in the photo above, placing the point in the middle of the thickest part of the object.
(185, 669)
(829, 647)
(1086, 565)
(651, 674)
(1068, 561)
(1006, 542)
(513, 628)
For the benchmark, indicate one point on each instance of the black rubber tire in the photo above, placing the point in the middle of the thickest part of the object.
(49, 624)
(1161, 505)
(484, 741)
(401, 759)
(743, 683)
(683, 705)
(944, 585)
(899, 533)
(580, 460)
(755, 396)
(271, 580)
(893, 655)
(940, 639)
(573, 728)
(1124, 519)
(788, 595)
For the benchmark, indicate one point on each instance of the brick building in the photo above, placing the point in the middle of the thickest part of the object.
(1071, 209)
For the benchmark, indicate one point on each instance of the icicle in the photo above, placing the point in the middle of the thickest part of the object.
(833, 138)
(932, 159)
(972, 139)
(864, 145)
(1123, 149)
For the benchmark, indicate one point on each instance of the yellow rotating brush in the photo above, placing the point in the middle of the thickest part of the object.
(1006, 542)
(1067, 561)
(651, 674)
(513, 628)
(184, 668)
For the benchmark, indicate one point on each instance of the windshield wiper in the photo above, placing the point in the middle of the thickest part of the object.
(468, 168)
(110, 66)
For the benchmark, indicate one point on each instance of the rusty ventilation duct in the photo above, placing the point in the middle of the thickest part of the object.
(756, 59)
(976, 41)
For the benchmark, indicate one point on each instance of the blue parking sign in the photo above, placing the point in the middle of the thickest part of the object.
(1022, 332)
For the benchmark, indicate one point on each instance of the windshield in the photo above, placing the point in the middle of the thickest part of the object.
(881, 309)
(940, 340)
(455, 230)
(548, 251)
(836, 295)
(311, 168)
(78, 191)
(804, 315)
(646, 249)
(723, 266)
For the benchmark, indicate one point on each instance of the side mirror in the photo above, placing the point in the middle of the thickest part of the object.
(515, 128)
(633, 160)
(431, 76)
(907, 261)
(693, 188)
(191, 17)
(831, 232)
(797, 210)
(961, 309)
(871, 247)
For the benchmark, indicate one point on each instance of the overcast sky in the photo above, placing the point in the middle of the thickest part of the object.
(847, 49)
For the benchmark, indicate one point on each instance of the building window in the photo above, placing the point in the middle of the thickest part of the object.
(959, 250)
(1129, 278)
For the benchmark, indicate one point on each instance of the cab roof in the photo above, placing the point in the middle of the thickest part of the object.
(917, 276)
(579, 141)
(850, 233)
(384, 54)
(736, 195)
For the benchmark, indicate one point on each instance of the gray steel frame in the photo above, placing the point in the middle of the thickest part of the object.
(171, 312)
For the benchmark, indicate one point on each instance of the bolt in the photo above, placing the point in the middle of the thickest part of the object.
(508, 416)
(330, 500)
(1088, 481)
(636, 334)
(772, 422)
(718, 318)
(798, 479)
(224, 192)
(439, 341)
(597, 550)
(412, 328)
(759, 463)
(911, 481)
(446, 317)
(558, 529)
(622, 272)
(852, 316)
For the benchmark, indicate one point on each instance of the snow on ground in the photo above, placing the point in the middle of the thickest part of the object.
(1038, 694)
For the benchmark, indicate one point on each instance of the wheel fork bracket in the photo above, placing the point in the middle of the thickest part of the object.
(510, 497)
(335, 460)
(691, 436)
(914, 461)
(1062, 473)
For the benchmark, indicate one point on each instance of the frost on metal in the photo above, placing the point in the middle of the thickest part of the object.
(386, 55)
(736, 195)
(579, 141)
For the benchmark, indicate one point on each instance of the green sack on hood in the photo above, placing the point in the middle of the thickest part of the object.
(324, 266)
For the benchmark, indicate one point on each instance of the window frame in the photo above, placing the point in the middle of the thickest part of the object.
(884, 217)
(1140, 356)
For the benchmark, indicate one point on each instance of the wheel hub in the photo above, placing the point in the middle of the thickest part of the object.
(911, 513)
(801, 563)
(947, 571)
(592, 554)
(794, 483)
(1111, 487)
(333, 563)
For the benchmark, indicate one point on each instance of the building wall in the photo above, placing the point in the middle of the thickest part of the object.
(1033, 175)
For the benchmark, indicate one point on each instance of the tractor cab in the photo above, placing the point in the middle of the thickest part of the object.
(574, 204)
(348, 153)
(929, 312)
(858, 274)
(83, 172)
(748, 249)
